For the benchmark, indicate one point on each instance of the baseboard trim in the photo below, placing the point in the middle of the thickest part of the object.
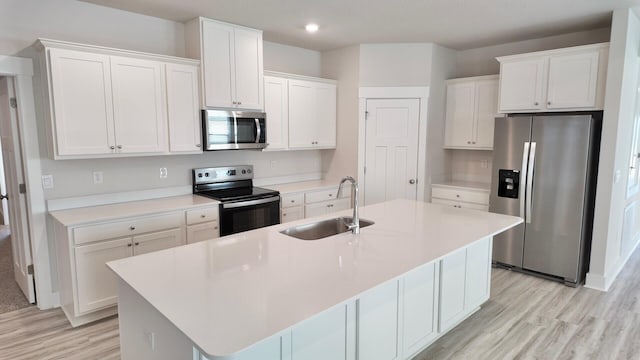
(603, 283)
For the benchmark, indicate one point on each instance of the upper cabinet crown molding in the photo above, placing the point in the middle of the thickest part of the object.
(232, 63)
(105, 102)
(568, 79)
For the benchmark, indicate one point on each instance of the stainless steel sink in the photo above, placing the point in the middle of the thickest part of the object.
(323, 229)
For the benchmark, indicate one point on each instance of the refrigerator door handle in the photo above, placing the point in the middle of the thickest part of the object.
(530, 167)
(525, 158)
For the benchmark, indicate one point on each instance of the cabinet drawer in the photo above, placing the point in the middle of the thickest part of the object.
(129, 227)
(477, 197)
(460, 205)
(325, 195)
(289, 200)
(291, 214)
(198, 216)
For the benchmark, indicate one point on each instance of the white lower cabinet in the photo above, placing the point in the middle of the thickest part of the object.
(324, 336)
(161, 240)
(460, 197)
(465, 278)
(202, 232)
(326, 207)
(419, 291)
(291, 214)
(378, 323)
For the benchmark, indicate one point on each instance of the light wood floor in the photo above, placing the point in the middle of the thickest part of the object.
(526, 318)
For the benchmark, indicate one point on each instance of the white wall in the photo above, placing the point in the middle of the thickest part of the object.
(343, 65)
(482, 61)
(466, 165)
(291, 59)
(406, 64)
(607, 255)
(438, 160)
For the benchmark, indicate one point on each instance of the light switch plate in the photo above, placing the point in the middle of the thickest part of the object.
(47, 181)
(163, 173)
(97, 177)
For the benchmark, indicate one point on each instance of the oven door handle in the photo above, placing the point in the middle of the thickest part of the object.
(250, 202)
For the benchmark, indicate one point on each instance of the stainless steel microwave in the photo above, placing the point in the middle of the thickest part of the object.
(230, 130)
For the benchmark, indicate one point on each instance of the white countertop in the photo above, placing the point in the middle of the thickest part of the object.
(464, 185)
(99, 213)
(304, 186)
(230, 293)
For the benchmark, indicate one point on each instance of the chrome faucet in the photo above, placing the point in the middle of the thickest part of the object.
(355, 225)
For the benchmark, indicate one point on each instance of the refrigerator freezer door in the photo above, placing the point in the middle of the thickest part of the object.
(554, 229)
(510, 152)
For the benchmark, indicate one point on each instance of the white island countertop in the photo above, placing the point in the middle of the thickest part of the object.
(225, 295)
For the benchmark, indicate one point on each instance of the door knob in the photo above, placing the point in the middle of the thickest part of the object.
(3, 196)
(412, 181)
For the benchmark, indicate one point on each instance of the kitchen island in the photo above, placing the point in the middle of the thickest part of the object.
(386, 293)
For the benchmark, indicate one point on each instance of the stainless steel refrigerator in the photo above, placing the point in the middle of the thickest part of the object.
(544, 170)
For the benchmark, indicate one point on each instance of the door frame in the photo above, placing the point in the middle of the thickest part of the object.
(406, 92)
(22, 71)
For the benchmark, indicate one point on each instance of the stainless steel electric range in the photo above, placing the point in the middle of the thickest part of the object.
(242, 206)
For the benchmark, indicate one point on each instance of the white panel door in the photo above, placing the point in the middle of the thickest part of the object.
(460, 113)
(478, 274)
(201, 232)
(16, 201)
(143, 244)
(322, 337)
(291, 214)
(486, 109)
(325, 111)
(391, 158)
(248, 69)
(276, 105)
(522, 85)
(217, 64)
(573, 80)
(302, 105)
(452, 284)
(183, 108)
(420, 308)
(96, 284)
(138, 105)
(82, 102)
(378, 323)
(270, 349)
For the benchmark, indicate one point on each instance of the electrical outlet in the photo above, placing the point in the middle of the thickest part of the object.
(274, 164)
(484, 164)
(47, 181)
(97, 177)
(163, 173)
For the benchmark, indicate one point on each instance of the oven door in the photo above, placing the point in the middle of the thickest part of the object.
(225, 130)
(246, 215)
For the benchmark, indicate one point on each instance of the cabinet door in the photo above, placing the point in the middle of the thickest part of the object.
(248, 69)
(420, 308)
(452, 284)
(292, 214)
(486, 109)
(378, 323)
(217, 64)
(138, 105)
(82, 102)
(322, 337)
(143, 244)
(96, 284)
(270, 349)
(183, 109)
(302, 115)
(318, 209)
(478, 274)
(201, 232)
(325, 112)
(522, 85)
(459, 115)
(276, 105)
(573, 80)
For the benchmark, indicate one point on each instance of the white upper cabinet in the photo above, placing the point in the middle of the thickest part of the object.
(232, 66)
(276, 105)
(138, 105)
(83, 102)
(183, 109)
(107, 102)
(312, 115)
(301, 112)
(470, 112)
(562, 79)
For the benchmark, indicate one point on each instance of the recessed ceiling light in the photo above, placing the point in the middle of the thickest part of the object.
(311, 27)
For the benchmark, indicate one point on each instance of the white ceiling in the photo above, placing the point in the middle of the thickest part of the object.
(458, 24)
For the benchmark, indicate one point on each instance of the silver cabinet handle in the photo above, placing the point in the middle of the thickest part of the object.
(198, 145)
(412, 181)
(129, 245)
(119, 146)
(525, 158)
(112, 147)
(132, 228)
(137, 243)
(239, 102)
(530, 170)
(468, 142)
(203, 216)
(535, 103)
(235, 102)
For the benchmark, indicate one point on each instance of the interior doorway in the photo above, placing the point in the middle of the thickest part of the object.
(16, 271)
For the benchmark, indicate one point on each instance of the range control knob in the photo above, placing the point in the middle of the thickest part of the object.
(244, 171)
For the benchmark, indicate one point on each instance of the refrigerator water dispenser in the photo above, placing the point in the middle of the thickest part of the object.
(508, 183)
